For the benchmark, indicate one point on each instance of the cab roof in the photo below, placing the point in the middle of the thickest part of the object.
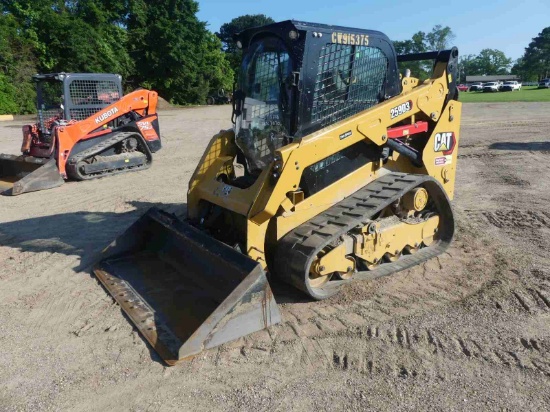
(287, 25)
(62, 75)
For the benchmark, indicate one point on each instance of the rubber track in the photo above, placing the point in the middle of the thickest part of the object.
(298, 248)
(72, 164)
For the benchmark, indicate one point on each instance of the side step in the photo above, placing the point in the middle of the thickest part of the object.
(185, 291)
(22, 174)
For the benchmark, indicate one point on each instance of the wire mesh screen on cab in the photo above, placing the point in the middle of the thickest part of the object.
(349, 79)
(89, 96)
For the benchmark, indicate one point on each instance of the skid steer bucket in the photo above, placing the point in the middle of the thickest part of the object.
(21, 174)
(184, 290)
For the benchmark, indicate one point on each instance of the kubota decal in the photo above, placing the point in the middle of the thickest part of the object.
(104, 116)
(444, 142)
(144, 126)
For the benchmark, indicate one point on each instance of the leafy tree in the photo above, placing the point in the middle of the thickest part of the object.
(173, 51)
(217, 68)
(487, 62)
(108, 18)
(439, 38)
(155, 44)
(467, 67)
(415, 45)
(535, 63)
(72, 35)
(238, 24)
(17, 65)
(26, 13)
(524, 71)
(7, 96)
(492, 61)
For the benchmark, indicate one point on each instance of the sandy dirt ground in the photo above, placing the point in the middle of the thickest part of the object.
(469, 330)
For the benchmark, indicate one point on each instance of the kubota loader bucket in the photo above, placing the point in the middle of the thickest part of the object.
(21, 174)
(184, 290)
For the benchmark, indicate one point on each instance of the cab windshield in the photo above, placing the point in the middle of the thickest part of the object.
(266, 82)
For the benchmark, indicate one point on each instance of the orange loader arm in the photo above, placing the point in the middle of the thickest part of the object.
(143, 102)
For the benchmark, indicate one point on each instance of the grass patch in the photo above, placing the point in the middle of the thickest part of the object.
(526, 94)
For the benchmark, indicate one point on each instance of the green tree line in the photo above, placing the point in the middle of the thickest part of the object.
(158, 44)
(535, 62)
(439, 38)
(488, 61)
(163, 45)
(533, 65)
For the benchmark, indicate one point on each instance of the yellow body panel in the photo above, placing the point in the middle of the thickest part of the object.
(389, 241)
(269, 199)
(321, 201)
(334, 261)
(394, 239)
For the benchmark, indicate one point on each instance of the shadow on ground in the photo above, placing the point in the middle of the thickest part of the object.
(86, 234)
(81, 234)
(532, 146)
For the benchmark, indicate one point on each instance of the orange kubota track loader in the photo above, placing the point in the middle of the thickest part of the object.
(85, 129)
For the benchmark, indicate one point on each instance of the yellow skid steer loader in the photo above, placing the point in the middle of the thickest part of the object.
(337, 169)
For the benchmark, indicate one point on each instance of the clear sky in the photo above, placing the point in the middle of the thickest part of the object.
(507, 25)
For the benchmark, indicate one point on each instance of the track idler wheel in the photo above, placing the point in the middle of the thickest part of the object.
(327, 267)
(315, 279)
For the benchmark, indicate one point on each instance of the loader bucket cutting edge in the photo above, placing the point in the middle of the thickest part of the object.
(185, 291)
(21, 174)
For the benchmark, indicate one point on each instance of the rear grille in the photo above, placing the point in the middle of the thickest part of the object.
(89, 96)
(349, 80)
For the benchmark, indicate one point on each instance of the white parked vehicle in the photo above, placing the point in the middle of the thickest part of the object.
(491, 87)
(511, 85)
(476, 87)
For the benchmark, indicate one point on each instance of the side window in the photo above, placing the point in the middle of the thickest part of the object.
(265, 75)
(349, 79)
(263, 126)
(50, 99)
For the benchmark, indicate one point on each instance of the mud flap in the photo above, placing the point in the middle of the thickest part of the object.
(185, 291)
(21, 174)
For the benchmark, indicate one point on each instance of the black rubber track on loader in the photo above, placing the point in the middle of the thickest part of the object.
(75, 164)
(298, 248)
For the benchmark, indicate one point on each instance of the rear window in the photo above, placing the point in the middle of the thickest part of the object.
(90, 96)
(349, 79)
